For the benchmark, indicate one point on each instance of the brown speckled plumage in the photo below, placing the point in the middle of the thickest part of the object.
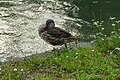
(54, 35)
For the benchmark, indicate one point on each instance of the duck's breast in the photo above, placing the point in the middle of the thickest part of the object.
(41, 29)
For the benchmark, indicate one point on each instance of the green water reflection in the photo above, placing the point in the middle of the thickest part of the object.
(95, 9)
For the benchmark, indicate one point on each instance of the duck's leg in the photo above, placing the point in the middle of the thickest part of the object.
(76, 42)
(66, 46)
(56, 51)
(53, 49)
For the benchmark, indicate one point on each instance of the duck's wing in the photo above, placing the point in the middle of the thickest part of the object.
(50, 39)
(58, 33)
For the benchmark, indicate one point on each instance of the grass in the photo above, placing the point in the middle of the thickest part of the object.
(99, 62)
(80, 64)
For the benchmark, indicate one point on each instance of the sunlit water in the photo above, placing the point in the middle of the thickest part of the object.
(19, 22)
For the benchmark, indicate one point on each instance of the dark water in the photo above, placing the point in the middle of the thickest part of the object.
(95, 9)
(20, 19)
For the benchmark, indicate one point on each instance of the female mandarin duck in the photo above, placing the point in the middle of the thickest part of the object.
(54, 35)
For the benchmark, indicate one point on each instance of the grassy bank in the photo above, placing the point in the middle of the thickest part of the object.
(99, 62)
(91, 63)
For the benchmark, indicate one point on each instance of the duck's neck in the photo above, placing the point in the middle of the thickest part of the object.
(48, 28)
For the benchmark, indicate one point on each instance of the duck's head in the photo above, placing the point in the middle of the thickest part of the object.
(50, 24)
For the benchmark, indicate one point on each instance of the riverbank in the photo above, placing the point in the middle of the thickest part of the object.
(101, 61)
(19, 21)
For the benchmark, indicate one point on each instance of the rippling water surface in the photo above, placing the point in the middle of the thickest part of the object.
(20, 19)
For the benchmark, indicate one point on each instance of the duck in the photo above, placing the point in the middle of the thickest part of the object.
(54, 35)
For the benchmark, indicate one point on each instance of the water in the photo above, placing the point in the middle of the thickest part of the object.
(95, 9)
(20, 19)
